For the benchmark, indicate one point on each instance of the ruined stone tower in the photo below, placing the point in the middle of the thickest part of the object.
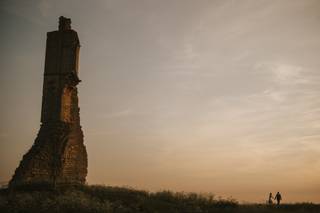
(58, 155)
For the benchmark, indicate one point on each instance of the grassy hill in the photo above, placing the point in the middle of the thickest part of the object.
(83, 199)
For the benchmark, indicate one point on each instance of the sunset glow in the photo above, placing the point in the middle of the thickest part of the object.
(207, 96)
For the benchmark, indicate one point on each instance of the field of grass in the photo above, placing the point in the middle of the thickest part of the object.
(96, 199)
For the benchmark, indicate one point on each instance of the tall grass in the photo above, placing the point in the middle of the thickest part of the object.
(83, 199)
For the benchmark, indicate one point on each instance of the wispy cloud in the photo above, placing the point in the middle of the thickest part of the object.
(284, 74)
(117, 114)
(26, 10)
(45, 7)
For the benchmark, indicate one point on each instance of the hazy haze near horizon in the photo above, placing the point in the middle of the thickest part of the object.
(205, 96)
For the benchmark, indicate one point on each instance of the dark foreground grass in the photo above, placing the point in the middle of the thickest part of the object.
(83, 199)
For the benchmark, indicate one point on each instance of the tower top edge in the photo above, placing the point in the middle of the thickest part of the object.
(64, 23)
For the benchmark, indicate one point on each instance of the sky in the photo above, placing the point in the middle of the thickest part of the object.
(209, 96)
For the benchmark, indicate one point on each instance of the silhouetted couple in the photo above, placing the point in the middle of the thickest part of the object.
(278, 198)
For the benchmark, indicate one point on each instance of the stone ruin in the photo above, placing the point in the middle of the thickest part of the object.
(58, 155)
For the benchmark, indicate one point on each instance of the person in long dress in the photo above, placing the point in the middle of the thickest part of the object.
(270, 199)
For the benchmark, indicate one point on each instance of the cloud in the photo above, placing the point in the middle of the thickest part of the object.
(274, 95)
(288, 74)
(284, 74)
(44, 7)
(33, 11)
(117, 114)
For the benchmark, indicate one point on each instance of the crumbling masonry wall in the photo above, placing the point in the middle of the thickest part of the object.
(58, 155)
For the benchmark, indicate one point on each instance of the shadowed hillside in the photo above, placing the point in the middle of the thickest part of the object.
(115, 199)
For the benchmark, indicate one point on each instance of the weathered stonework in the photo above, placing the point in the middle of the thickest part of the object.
(58, 155)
